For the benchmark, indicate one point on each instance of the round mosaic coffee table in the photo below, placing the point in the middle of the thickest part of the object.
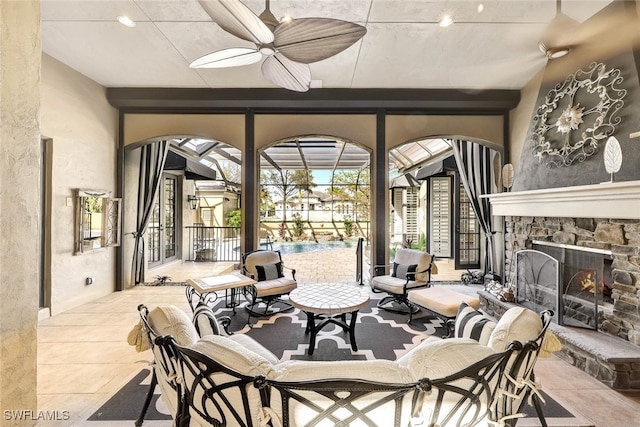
(326, 303)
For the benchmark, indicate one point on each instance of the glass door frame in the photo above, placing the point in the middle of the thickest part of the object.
(161, 205)
(458, 235)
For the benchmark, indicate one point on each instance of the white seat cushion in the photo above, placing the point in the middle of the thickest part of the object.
(441, 300)
(280, 286)
(384, 371)
(392, 284)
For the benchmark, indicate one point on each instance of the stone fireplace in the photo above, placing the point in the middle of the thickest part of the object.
(573, 281)
(620, 238)
(595, 222)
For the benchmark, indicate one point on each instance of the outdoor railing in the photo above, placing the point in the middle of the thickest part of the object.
(359, 261)
(213, 243)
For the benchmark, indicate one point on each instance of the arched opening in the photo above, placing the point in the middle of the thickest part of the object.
(433, 209)
(315, 195)
(192, 212)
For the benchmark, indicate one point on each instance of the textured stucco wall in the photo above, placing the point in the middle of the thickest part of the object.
(533, 174)
(19, 204)
(520, 119)
(83, 129)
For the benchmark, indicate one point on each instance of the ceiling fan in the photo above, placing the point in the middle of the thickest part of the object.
(611, 32)
(288, 45)
(567, 45)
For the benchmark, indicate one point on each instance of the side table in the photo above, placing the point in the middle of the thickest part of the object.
(225, 282)
(325, 303)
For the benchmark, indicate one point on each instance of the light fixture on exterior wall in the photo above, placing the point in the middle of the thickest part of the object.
(193, 202)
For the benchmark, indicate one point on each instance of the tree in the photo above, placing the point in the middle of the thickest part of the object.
(352, 187)
(234, 218)
(285, 183)
(266, 203)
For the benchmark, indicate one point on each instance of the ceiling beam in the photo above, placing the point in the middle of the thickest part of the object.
(316, 100)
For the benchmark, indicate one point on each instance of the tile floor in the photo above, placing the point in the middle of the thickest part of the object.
(84, 358)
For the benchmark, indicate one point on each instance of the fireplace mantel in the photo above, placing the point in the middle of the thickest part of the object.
(606, 200)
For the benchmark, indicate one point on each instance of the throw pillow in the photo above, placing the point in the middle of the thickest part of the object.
(518, 323)
(170, 320)
(470, 323)
(401, 270)
(205, 321)
(269, 271)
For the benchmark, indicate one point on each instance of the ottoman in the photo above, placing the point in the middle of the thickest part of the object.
(441, 301)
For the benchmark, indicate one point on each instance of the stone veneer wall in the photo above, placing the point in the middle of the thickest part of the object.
(621, 236)
(608, 359)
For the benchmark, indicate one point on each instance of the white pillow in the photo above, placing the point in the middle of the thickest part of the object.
(240, 359)
(233, 355)
(250, 344)
(519, 324)
(170, 320)
(441, 358)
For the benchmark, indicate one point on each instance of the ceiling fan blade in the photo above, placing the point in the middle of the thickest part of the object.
(600, 40)
(310, 40)
(236, 18)
(286, 73)
(231, 57)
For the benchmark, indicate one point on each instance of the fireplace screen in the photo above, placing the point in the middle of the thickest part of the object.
(573, 282)
(537, 281)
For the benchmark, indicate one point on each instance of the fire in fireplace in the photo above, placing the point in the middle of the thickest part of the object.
(573, 281)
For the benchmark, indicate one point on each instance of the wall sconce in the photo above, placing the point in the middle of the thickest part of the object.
(193, 202)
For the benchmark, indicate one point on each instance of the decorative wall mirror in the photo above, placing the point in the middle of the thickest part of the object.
(98, 221)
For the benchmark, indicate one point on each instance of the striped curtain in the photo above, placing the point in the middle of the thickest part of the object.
(152, 160)
(475, 165)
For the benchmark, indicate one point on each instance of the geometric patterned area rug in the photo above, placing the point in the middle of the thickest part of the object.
(379, 335)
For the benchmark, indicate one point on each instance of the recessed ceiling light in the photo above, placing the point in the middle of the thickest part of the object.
(446, 21)
(480, 8)
(126, 21)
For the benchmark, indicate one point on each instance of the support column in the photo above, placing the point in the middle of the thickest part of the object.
(20, 207)
(380, 194)
(249, 185)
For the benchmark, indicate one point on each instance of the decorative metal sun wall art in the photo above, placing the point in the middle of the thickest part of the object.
(577, 115)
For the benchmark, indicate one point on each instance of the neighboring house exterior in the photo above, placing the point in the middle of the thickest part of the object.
(315, 207)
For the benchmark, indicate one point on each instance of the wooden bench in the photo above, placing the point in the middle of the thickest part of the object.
(441, 301)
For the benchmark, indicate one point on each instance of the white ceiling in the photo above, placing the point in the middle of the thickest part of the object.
(404, 47)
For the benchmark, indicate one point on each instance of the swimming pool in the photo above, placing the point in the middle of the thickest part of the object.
(299, 247)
